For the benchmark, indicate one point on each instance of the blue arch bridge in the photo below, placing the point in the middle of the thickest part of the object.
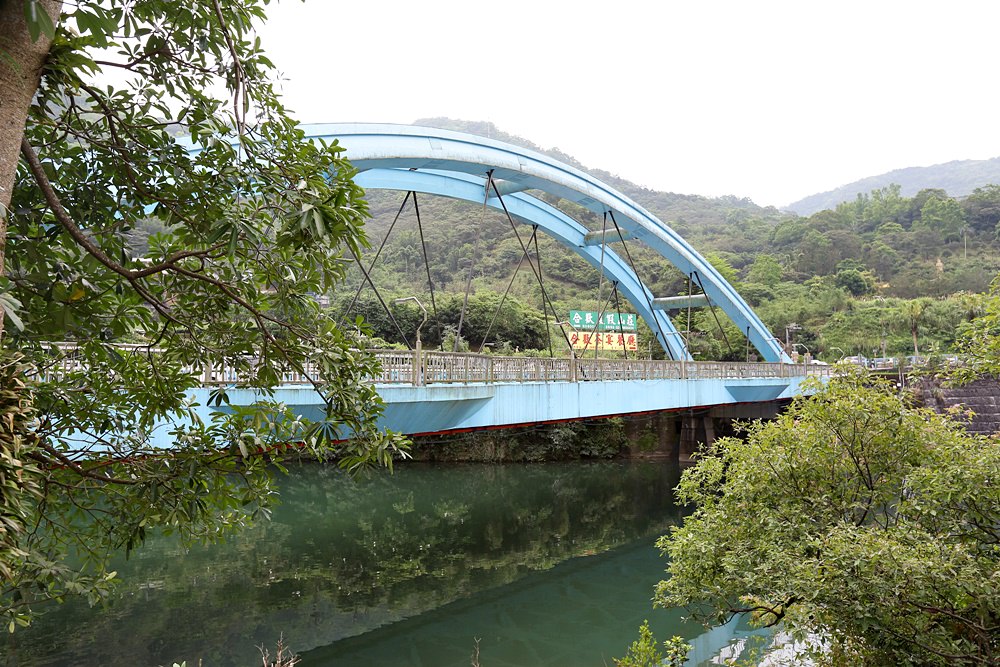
(434, 392)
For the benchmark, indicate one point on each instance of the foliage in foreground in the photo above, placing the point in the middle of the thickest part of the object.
(645, 652)
(254, 222)
(979, 343)
(854, 516)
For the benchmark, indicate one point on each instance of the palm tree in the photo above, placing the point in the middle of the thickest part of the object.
(914, 313)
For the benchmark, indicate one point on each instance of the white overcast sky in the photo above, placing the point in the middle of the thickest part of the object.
(768, 100)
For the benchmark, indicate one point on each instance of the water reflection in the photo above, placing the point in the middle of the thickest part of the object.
(342, 558)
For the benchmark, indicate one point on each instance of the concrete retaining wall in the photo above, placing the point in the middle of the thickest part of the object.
(982, 397)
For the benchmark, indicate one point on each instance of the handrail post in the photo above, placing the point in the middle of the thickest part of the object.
(417, 363)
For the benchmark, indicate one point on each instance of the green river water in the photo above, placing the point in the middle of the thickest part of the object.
(542, 564)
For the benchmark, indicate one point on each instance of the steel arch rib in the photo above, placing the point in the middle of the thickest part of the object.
(551, 220)
(411, 148)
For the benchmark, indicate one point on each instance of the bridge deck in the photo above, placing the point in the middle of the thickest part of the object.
(430, 392)
(437, 392)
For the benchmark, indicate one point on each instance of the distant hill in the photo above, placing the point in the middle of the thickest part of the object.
(703, 221)
(958, 178)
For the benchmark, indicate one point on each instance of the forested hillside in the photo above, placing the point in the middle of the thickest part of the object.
(882, 274)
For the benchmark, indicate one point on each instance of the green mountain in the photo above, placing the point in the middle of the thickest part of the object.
(958, 178)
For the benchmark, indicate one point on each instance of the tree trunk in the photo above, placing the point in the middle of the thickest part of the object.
(21, 61)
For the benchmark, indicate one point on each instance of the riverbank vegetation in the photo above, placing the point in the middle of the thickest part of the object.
(854, 517)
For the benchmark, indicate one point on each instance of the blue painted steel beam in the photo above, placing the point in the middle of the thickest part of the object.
(526, 208)
(412, 148)
(441, 408)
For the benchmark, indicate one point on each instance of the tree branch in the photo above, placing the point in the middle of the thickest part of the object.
(66, 462)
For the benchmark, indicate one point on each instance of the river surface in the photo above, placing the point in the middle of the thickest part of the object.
(528, 565)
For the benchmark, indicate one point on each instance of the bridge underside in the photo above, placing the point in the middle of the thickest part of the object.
(459, 407)
(435, 409)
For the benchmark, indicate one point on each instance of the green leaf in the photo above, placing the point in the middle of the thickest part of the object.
(11, 306)
(39, 21)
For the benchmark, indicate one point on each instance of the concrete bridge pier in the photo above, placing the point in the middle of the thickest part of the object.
(654, 436)
(701, 428)
(697, 430)
(679, 434)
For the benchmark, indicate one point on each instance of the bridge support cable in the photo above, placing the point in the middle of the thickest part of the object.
(524, 249)
(618, 308)
(714, 315)
(600, 280)
(690, 294)
(472, 262)
(646, 293)
(538, 260)
(427, 265)
(347, 311)
(503, 299)
(380, 299)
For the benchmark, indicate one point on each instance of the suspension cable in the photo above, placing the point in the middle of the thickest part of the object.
(503, 300)
(380, 299)
(600, 281)
(712, 307)
(427, 265)
(618, 308)
(545, 296)
(361, 286)
(645, 292)
(538, 260)
(690, 294)
(472, 262)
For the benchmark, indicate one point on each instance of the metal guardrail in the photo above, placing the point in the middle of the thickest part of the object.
(407, 367)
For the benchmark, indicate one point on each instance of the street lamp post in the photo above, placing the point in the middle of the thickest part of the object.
(417, 356)
(791, 326)
(424, 310)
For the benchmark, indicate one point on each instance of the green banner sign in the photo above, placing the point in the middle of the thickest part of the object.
(586, 320)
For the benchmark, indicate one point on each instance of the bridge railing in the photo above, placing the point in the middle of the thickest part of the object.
(432, 367)
(404, 367)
